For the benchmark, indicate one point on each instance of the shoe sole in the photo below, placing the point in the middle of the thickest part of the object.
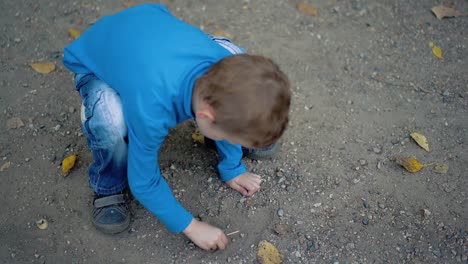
(112, 229)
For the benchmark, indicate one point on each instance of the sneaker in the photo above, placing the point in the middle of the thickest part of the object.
(111, 214)
(261, 153)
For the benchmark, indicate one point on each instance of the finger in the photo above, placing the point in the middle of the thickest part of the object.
(221, 243)
(240, 189)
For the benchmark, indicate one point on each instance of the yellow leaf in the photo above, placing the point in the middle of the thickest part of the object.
(411, 164)
(307, 9)
(129, 4)
(67, 164)
(222, 33)
(441, 168)
(43, 68)
(268, 254)
(421, 140)
(198, 137)
(5, 166)
(444, 11)
(436, 50)
(74, 33)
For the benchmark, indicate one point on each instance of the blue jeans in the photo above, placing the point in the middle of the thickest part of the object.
(106, 133)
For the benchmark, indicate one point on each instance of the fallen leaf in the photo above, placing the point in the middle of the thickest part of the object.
(436, 50)
(411, 164)
(444, 11)
(5, 166)
(74, 33)
(42, 224)
(43, 68)
(129, 4)
(222, 33)
(67, 164)
(198, 137)
(268, 254)
(421, 140)
(307, 9)
(441, 168)
(14, 123)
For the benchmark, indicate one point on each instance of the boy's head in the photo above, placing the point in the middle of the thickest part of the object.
(244, 99)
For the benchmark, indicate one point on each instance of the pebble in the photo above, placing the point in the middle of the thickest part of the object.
(365, 221)
(317, 205)
(311, 246)
(362, 162)
(57, 127)
(291, 189)
(282, 179)
(377, 150)
(281, 229)
(280, 212)
(381, 205)
(437, 252)
(298, 254)
(71, 109)
(350, 246)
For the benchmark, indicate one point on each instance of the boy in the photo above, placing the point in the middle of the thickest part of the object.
(140, 72)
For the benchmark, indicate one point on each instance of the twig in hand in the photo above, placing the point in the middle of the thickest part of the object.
(232, 233)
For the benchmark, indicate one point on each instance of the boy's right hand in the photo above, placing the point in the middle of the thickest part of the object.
(206, 236)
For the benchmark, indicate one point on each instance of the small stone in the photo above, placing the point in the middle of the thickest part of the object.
(57, 127)
(437, 252)
(281, 180)
(311, 246)
(297, 254)
(173, 167)
(365, 204)
(291, 189)
(379, 164)
(377, 150)
(17, 40)
(71, 109)
(280, 212)
(350, 246)
(281, 229)
(464, 258)
(317, 205)
(362, 162)
(365, 221)
(381, 205)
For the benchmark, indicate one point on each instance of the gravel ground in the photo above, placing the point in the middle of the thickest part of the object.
(364, 78)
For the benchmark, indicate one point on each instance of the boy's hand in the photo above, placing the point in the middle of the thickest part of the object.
(246, 183)
(205, 235)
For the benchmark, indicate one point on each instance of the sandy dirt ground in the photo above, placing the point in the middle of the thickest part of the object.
(364, 78)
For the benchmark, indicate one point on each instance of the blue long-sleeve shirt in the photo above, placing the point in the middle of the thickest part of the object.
(152, 60)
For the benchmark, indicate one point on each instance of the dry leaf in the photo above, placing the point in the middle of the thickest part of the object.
(67, 164)
(129, 4)
(436, 50)
(198, 137)
(42, 224)
(74, 33)
(307, 9)
(43, 68)
(411, 164)
(440, 168)
(222, 33)
(421, 140)
(268, 254)
(14, 123)
(444, 11)
(5, 166)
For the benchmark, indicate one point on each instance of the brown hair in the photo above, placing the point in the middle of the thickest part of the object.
(250, 96)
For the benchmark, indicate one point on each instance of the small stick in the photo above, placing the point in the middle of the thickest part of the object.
(232, 233)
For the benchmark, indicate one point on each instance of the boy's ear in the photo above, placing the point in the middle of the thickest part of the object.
(206, 112)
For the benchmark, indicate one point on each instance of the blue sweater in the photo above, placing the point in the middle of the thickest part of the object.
(152, 60)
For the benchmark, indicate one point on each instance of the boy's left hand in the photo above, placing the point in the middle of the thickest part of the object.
(247, 183)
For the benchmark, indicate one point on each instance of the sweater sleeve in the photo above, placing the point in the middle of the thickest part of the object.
(230, 160)
(150, 188)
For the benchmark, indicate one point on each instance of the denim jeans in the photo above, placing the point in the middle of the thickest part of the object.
(106, 133)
